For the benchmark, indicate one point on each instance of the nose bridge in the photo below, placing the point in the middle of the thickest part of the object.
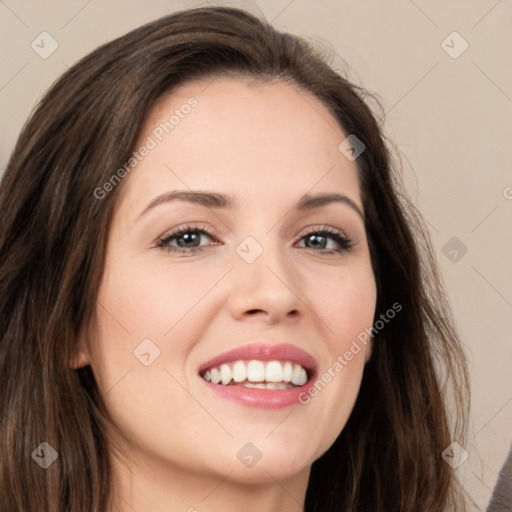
(263, 280)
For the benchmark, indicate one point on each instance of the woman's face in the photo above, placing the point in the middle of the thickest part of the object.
(221, 264)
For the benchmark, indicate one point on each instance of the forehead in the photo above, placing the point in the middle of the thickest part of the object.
(244, 137)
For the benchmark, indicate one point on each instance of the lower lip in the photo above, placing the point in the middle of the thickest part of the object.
(262, 398)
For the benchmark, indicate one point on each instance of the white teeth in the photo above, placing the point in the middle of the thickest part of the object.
(255, 371)
(274, 372)
(225, 374)
(239, 372)
(215, 375)
(287, 371)
(258, 374)
(296, 374)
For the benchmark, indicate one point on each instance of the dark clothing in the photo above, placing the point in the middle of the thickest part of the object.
(501, 500)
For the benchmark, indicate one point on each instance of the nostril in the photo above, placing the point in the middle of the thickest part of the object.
(254, 311)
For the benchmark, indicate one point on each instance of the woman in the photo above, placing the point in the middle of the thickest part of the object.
(213, 292)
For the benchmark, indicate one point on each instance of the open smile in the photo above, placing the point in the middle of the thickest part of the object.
(260, 375)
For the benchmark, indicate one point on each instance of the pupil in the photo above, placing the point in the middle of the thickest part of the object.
(188, 239)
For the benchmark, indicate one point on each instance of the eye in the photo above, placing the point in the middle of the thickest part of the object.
(326, 240)
(186, 240)
(192, 240)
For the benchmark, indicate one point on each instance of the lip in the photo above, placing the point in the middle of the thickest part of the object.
(262, 398)
(264, 352)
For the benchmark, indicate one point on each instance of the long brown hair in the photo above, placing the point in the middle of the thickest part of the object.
(52, 241)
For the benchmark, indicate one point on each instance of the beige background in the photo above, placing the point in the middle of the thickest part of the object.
(451, 118)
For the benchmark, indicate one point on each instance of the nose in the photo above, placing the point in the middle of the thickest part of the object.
(266, 290)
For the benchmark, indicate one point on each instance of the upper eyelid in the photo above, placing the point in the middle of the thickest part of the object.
(180, 230)
(185, 229)
(322, 228)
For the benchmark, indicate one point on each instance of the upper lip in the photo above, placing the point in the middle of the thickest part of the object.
(264, 352)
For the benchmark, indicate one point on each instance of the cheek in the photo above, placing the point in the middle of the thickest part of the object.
(346, 306)
(346, 309)
(141, 311)
(151, 302)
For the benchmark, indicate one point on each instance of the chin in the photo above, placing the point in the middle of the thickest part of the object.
(267, 460)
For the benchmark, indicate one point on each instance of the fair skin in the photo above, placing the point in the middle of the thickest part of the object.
(265, 145)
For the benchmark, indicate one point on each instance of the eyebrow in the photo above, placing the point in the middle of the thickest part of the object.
(310, 202)
(208, 199)
(218, 200)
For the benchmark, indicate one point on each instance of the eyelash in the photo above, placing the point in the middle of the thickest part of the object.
(345, 243)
